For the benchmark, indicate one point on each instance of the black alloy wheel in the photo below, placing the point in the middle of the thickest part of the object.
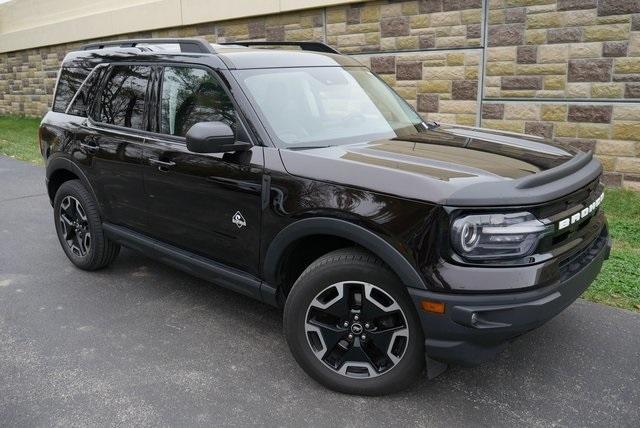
(356, 329)
(352, 326)
(74, 226)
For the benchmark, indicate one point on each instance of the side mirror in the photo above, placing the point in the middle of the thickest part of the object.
(213, 137)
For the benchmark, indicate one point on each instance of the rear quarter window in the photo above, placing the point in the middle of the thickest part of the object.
(70, 80)
(86, 93)
(123, 97)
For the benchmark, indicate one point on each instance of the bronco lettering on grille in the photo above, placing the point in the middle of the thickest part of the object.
(582, 214)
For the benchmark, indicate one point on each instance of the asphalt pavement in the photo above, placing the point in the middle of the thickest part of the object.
(140, 343)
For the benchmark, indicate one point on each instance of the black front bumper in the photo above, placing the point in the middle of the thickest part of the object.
(475, 326)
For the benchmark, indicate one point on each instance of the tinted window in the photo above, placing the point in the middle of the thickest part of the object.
(70, 80)
(122, 99)
(189, 96)
(86, 93)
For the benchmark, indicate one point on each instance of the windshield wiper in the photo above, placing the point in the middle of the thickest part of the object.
(306, 147)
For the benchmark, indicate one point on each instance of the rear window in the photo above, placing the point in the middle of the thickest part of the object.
(70, 80)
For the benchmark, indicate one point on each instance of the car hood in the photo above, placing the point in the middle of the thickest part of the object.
(435, 164)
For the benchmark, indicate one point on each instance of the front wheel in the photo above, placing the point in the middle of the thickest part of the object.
(352, 327)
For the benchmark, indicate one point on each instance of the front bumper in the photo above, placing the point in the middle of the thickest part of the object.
(474, 327)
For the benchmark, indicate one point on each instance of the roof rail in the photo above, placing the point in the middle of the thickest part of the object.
(190, 45)
(305, 46)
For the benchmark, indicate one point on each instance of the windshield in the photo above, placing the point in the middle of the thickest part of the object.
(322, 106)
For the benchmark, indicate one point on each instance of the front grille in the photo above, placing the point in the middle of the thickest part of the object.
(567, 241)
(557, 207)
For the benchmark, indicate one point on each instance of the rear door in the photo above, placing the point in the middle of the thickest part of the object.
(209, 204)
(115, 138)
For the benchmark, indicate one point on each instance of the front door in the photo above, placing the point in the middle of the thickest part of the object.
(204, 203)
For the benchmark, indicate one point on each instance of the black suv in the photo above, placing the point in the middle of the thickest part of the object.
(297, 177)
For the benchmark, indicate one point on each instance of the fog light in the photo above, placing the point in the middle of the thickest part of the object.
(431, 306)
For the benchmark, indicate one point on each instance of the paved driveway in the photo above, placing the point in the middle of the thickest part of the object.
(141, 343)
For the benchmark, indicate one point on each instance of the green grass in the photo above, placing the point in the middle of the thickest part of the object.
(619, 282)
(19, 138)
(617, 285)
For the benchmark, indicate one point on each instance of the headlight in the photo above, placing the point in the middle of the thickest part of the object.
(497, 236)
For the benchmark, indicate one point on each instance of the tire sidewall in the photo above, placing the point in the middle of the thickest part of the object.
(309, 286)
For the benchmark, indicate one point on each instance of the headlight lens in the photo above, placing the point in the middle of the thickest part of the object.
(497, 236)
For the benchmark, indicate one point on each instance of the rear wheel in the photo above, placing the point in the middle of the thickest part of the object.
(79, 228)
(352, 327)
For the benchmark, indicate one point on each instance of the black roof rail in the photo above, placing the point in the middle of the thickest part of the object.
(190, 45)
(305, 46)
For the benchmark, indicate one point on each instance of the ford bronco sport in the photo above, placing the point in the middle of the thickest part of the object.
(297, 177)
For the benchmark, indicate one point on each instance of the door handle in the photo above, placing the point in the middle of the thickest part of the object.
(92, 148)
(162, 165)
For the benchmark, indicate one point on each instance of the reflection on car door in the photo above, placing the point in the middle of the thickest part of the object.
(113, 136)
(205, 203)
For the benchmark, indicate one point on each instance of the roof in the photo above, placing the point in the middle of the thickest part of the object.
(244, 58)
(242, 55)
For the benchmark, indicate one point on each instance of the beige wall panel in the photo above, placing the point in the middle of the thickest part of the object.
(131, 16)
(19, 14)
(287, 5)
(33, 23)
(195, 11)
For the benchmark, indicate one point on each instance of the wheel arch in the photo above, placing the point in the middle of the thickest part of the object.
(60, 170)
(342, 230)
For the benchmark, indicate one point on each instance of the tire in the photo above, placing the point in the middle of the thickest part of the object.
(313, 324)
(79, 228)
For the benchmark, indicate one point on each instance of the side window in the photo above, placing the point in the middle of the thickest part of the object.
(86, 93)
(123, 97)
(70, 80)
(189, 96)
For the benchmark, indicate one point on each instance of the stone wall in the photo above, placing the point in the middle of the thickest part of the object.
(575, 66)
(562, 69)
(441, 85)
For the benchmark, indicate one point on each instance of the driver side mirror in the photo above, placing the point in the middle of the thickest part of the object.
(213, 137)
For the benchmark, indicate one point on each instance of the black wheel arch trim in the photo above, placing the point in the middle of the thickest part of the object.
(62, 163)
(342, 229)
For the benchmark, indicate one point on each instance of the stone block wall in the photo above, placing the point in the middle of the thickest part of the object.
(568, 70)
(441, 85)
(407, 25)
(574, 68)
